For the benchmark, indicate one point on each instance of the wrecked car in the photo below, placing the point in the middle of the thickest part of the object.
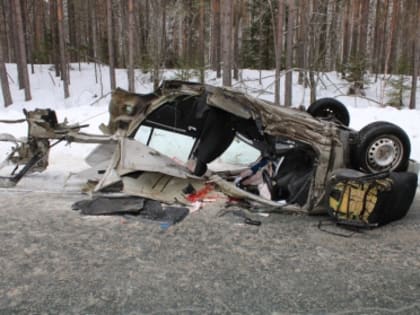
(299, 150)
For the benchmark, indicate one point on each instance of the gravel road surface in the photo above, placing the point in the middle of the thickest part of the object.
(55, 261)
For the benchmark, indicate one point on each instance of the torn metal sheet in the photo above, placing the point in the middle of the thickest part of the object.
(95, 173)
(136, 156)
(110, 176)
(147, 173)
(161, 187)
(102, 153)
(230, 104)
(131, 156)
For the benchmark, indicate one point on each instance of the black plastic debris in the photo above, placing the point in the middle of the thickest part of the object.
(109, 206)
(132, 206)
(240, 213)
(153, 210)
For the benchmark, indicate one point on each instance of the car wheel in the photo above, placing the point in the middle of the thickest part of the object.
(382, 146)
(331, 109)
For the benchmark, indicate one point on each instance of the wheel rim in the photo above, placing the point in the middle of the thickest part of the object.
(384, 153)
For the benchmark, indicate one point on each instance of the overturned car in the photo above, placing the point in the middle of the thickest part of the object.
(300, 151)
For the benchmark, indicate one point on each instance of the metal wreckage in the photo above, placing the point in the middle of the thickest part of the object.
(310, 161)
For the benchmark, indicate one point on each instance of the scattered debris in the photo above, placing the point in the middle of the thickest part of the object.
(134, 206)
(240, 213)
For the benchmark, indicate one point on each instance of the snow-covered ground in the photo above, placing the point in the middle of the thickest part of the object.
(86, 105)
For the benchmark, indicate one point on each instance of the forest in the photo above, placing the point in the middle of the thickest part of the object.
(356, 38)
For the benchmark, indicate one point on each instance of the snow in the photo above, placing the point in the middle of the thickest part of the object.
(88, 103)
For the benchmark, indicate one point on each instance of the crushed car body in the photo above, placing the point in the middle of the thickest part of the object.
(300, 151)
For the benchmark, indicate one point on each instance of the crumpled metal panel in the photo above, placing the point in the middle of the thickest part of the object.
(136, 156)
(159, 177)
(103, 152)
(161, 187)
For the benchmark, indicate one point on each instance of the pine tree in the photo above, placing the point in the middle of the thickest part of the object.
(227, 20)
(111, 57)
(131, 46)
(7, 97)
(22, 51)
(63, 62)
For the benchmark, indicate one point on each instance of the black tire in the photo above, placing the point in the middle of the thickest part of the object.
(382, 146)
(331, 109)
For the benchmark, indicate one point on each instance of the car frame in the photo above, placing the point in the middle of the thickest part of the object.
(320, 132)
(315, 142)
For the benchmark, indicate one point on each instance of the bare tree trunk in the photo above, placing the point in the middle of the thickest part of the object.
(370, 37)
(260, 48)
(413, 93)
(391, 57)
(73, 35)
(289, 53)
(156, 33)
(322, 12)
(302, 41)
(119, 38)
(216, 39)
(111, 56)
(237, 15)
(407, 28)
(145, 30)
(27, 33)
(4, 29)
(314, 48)
(16, 46)
(63, 62)
(346, 33)
(389, 48)
(92, 20)
(416, 59)
(37, 33)
(312, 84)
(7, 97)
(22, 51)
(377, 42)
(385, 36)
(227, 42)
(202, 34)
(163, 42)
(55, 56)
(355, 29)
(330, 36)
(364, 20)
(130, 70)
(279, 50)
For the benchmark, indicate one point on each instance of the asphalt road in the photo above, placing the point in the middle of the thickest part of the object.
(55, 261)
